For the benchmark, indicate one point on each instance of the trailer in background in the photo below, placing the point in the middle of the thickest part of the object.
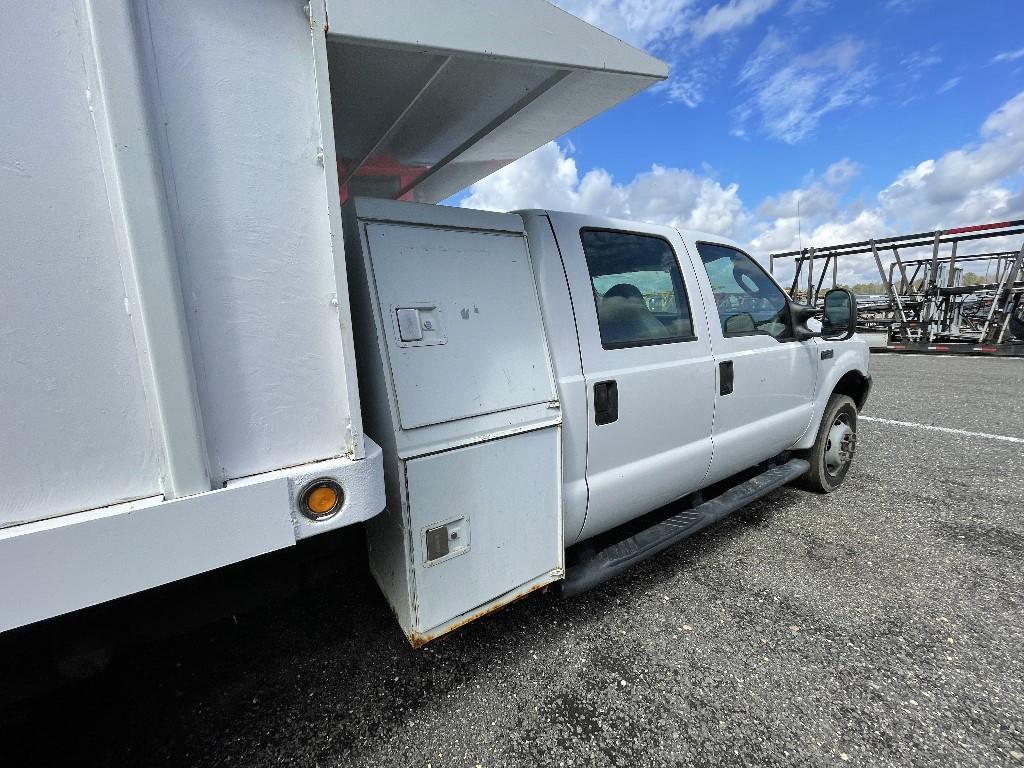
(927, 306)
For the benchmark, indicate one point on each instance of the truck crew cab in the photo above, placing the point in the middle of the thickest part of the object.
(545, 382)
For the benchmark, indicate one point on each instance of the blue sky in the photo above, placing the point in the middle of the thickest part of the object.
(880, 116)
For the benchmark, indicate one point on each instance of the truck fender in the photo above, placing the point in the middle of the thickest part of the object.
(848, 375)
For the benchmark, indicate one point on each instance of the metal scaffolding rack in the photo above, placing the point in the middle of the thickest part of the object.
(925, 306)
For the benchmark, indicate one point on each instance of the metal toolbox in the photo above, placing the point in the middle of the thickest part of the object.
(454, 366)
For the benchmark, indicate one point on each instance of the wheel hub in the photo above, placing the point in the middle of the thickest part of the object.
(839, 446)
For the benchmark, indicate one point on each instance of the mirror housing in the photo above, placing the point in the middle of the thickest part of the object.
(839, 318)
(838, 321)
(801, 313)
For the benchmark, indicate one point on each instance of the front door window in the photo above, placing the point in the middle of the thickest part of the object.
(748, 301)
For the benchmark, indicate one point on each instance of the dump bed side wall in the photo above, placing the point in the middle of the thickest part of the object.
(236, 97)
(234, 120)
(74, 428)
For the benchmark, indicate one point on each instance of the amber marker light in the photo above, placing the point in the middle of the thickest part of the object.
(321, 499)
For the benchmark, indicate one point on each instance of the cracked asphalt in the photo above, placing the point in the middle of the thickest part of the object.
(882, 625)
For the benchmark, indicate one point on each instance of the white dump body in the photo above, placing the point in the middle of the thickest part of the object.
(175, 342)
(237, 212)
(76, 430)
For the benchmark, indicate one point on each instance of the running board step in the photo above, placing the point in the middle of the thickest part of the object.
(620, 556)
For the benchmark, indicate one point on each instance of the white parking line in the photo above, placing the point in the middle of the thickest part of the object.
(948, 430)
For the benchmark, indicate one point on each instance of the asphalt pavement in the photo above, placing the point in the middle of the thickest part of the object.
(880, 625)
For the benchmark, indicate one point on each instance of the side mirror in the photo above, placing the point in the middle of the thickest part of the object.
(839, 321)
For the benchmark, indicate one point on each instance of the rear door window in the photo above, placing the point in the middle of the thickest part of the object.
(638, 289)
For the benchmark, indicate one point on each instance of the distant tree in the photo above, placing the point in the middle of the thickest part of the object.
(863, 288)
(970, 278)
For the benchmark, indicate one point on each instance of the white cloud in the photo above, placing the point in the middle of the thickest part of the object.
(1006, 56)
(920, 60)
(913, 68)
(949, 85)
(643, 23)
(678, 31)
(808, 6)
(820, 196)
(650, 23)
(548, 178)
(821, 220)
(689, 79)
(902, 6)
(965, 185)
(976, 183)
(841, 172)
(725, 18)
(687, 89)
(791, 92)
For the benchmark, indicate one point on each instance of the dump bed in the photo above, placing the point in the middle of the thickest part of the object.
(170, 307)
(176, 360)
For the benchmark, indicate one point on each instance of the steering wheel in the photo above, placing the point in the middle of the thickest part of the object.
(745, 280)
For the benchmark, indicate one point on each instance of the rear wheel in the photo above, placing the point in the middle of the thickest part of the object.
(834, 447)
(1017, 320)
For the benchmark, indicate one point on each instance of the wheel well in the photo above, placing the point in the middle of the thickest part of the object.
(855, 385)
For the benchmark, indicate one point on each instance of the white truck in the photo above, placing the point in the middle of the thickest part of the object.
(546, 383)
(216, 220)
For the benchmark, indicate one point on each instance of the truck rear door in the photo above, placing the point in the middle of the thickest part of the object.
(766, 378)
(647, 365)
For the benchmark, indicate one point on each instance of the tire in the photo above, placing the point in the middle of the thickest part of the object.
(1017, 320)
(833, 450)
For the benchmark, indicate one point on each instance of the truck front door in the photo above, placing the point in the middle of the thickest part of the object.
(647, 364)
(766, 378)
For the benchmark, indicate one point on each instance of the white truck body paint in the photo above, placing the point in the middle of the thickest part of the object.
(139, 212)
(532, 31)
(852, 355)
(70, 562)
(661, 442)
(75, 430)
(465, 402)
(61, 564)
(774, 386)
(676, 433)
(563, 341)
(270, 352)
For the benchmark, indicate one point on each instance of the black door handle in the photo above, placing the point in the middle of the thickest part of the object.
(726, 377)
(606, 402)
